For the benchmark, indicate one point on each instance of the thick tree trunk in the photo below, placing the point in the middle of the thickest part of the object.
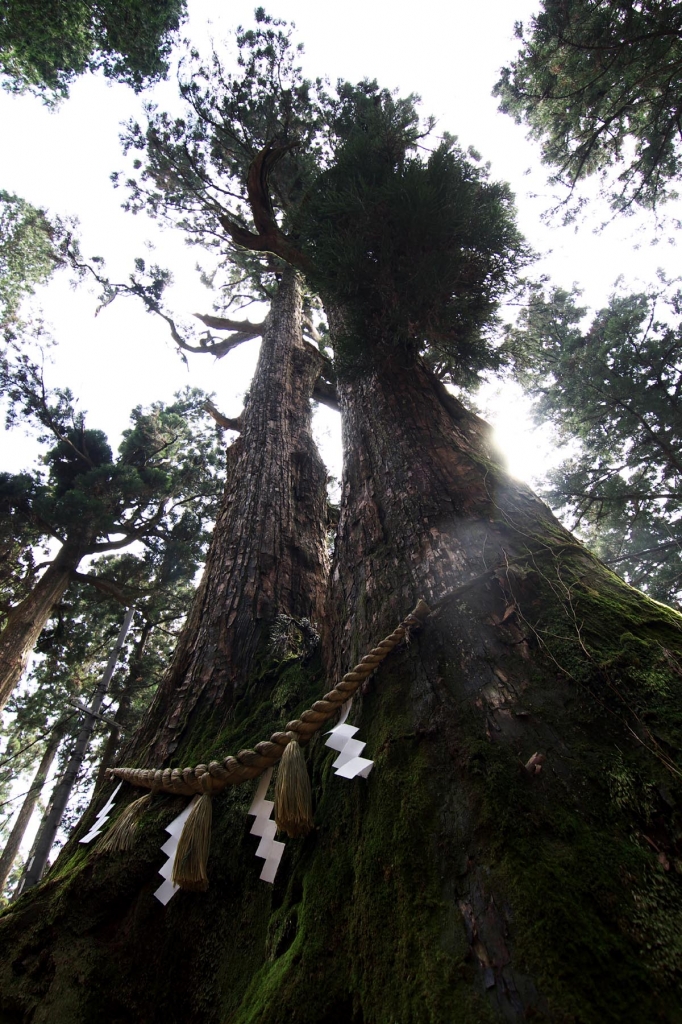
(25, 621)
(9, 854)
(267, 556)
(225, 689)
(471, 879)
(514, 853)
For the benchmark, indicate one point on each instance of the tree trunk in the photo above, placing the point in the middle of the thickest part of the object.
(26, 620)
(267, 556)
(520, 833)
(11, 850)
(35, 865)
(514, 853)
(225, 689)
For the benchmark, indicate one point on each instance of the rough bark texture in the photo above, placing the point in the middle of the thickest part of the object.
(267, 556)
(458, 883)
(25, 621)
(11, 850)
(547, 892)
(91, 942)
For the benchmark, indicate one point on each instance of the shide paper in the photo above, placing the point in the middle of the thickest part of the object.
(263, 826)
(101, 819)
(167, 889)
(348, 764)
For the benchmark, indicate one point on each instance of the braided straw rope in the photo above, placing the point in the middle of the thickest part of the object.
(248, 764)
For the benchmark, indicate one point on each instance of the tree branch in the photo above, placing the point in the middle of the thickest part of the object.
(103, 585)
(224, 421)
(269, 237)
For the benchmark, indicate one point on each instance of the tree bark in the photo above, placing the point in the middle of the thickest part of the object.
(225, 689)
(26, 620)
(267, 555)
(11, 850)
(513, 854)
(496, 832)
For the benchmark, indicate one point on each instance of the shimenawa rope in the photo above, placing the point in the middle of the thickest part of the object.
(248, 764)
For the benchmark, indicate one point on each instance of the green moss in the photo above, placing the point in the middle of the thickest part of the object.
(449, 883)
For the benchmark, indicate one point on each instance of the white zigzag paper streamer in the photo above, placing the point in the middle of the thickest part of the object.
(101, 818)
(168, 889)
(349, 763)
(263, 826)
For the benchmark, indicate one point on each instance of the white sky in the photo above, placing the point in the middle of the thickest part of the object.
(449, 54)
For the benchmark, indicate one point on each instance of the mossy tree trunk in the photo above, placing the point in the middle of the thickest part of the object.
(71, 947)
(514, 853)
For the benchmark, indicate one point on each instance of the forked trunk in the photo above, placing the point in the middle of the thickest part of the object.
(513, 854)
(25, 622)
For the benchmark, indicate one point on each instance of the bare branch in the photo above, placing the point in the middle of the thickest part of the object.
(224, 421)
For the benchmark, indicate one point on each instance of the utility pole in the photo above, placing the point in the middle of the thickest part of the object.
(37, 860)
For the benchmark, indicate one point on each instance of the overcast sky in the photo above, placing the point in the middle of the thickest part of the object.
(449, 54)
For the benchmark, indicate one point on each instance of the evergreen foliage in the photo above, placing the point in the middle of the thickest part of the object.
(73, 650)
(599, 83)
(416, 245)
(32, 247)
(46, 44)
(167, 459)
(415, 249)
(615, 387)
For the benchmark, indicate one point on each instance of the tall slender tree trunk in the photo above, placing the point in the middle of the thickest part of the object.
(25, 622)
(125, 700)
(35, 866)
(9, 854)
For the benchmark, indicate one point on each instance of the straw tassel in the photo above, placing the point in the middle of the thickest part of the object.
(121, 835)
(189, 867)
(293, 798)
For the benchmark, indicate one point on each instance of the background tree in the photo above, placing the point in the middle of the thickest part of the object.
(45, 45)
(526, 783)
(32, 247)
(73, 650)
(90, 503)
(598, 83)
(614, 387)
